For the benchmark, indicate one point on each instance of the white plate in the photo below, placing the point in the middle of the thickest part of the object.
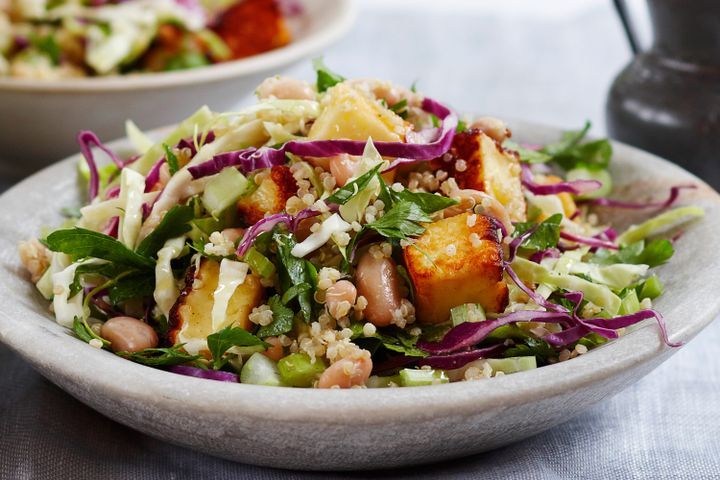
(355, 429)
(39, 120)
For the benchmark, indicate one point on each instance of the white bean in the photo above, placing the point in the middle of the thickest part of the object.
(128, 334)
(285, 88)
(378, 281)
(346, 373)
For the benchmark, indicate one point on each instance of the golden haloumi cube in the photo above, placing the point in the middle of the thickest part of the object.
(269, 197)
(191, 316)
(351, 114)
(490, 169)
(457, 260)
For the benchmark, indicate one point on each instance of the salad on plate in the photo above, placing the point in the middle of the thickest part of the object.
(350, 233)
(58, 39)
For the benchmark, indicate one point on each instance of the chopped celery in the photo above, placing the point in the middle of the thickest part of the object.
(297, 370)
(630, 303)
(259, 263)
(601, 176)
(260, 370)
(410, 377)
(512, 364)
(469, 312)
(652, 288)
(224, 190)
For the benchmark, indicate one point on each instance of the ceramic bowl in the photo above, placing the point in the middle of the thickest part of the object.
(355, 429)
(39, 120)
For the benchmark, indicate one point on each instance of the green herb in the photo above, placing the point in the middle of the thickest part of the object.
(650, 288)
(296, 271)
(171, 159)
(526, 154)
(402, 221)
(408, 281)
(295, 291)
(176, 222)
(461, 127)
(128, 287)
(47, 45)
(396, 340)
(282, 319)
(160, 357)
(85, 333)
(401, 108)
(220, 341)
(435, 120)
(259, 263)
(532, 346)
(545, 236)
(71, 212)
(107, 270)
(348, 191)
(83, 243)
(325, 77)
(592, 340)
(428, 202)
(654, 253)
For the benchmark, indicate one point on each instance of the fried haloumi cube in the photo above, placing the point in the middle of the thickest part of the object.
(269, 197)
(489, 168)
(191, 316)
(457, 260)
(349, 113)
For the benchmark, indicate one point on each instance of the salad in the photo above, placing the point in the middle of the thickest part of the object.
(351, 233)
(56, 39)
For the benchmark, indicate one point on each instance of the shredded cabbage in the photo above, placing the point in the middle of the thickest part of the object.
(132, 188)
(232, 275)
(658, 224)
(166, 291)
(333, 224)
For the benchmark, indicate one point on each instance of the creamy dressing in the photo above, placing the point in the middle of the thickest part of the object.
(166, 290)
(232, 275)
(132, 187)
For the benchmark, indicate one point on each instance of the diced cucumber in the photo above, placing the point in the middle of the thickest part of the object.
(260, 370)
(469, 312)
(512, 364)
(410, 377)
(45, 285)
(297, 370)
(602, 176)
(652, 288)
(224, 190)
(382, 382)
(259, 263)
(630, 303)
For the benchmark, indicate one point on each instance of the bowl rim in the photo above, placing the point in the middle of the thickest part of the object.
(64, 357)
(321, 36)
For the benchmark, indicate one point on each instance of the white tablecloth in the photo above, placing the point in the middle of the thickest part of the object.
(550, 62)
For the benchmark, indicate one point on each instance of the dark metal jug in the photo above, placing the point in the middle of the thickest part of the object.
(667, 100)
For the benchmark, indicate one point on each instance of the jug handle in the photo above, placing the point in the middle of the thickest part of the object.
(622, 11)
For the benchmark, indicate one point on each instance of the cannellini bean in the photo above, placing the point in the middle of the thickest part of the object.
(378, 281)
(128, 334)
(285, 88)
(340, 297)
(346, 373)
(276, 351)
(343, 167)
(468, 199)
(492, 127)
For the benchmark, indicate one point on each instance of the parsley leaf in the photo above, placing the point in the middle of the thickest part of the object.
(85, 333)
(344, 194)
(531, 346)
(296, 271)
(175, 223)
(402, 221)
(160, 357)
(325, 77)
(172, 160)
(220, 341)
(400, 108)
(545, 236)
(47, 45)
(526, 154)
(428, 202)
(654, 253)
(128, 287)
(282, 319)
(81, 243)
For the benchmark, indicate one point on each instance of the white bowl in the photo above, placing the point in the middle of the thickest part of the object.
(355, 429)
(39, 120)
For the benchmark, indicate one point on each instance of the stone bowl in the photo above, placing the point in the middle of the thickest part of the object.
(357, 429)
